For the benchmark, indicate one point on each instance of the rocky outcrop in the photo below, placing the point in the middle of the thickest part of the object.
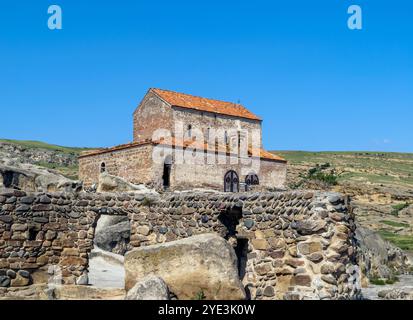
(149, 288)
(200, 265)
(397, 294)
(109, 183)
(377, 257)
(113, 234)
(19, 154)
(37, 179)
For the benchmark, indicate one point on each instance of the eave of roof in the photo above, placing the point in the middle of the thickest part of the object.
(176, 143)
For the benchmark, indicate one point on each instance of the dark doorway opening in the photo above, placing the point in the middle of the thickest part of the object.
(231, 181)
(166, 177)
(10, 179)
(241, 250)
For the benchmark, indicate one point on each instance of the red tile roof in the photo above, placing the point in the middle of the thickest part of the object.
(184, 100)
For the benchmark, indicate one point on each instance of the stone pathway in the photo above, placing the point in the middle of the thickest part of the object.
(106, 269)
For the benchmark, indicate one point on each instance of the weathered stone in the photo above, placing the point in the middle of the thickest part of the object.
(260, 244)
(19, 227)
(4, 281)
(27, 200)
(269, 291)
(143, 230)
(301, 280)
(6, 219)
(45, 199)
(20, 281)
(149, 288)
(204, 262)
(329, 279)
(315, 257)
(23, 208)
(249, 223)
(41, 219)
(309, 247)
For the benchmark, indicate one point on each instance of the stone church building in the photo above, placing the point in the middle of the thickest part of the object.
(184, 142)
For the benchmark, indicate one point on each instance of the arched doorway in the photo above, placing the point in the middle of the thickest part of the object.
(251, 180)
(166, 177)
(231, 182)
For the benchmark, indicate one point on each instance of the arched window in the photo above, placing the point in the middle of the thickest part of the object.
(102, 167)
(252, 180)
(231, 182)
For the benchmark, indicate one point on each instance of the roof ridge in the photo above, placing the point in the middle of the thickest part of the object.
(195, 96)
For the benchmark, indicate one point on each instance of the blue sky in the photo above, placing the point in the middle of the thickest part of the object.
(316, 84)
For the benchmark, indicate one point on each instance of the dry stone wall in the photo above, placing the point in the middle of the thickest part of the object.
(290, 245)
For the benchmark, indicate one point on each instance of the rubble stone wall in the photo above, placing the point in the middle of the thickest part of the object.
(291, 245)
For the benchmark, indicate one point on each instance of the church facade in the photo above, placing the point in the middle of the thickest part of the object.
(182, 142)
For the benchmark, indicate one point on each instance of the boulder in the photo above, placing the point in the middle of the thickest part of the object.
(202, 265)
(149, 288)
(113, 234)
(109, 183)
(29, 177)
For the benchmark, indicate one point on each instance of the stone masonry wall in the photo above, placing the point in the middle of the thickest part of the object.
(133, 164)
(291, 245)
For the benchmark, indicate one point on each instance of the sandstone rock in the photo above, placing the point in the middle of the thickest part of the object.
(149, 288)
(113, 234)
(20, 281)
(31, 177)
(203, 263)
(109, 183)
(309, 247)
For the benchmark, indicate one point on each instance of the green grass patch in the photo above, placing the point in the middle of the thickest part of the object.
(404, 242)
(395, 224)
(398, 207)
(377, 281)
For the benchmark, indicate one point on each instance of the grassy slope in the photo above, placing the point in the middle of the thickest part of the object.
(374, 167)
(43, 145)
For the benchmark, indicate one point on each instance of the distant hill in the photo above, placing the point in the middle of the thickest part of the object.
(380, 184)
(387, 168)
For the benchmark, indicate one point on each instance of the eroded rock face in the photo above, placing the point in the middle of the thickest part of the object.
(200, 265)
(35, 179)
(149, 288)
(378, 258)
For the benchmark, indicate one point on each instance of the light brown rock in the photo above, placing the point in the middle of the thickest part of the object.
(204, 264)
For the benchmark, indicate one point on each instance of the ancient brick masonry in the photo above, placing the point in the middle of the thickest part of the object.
(291, 245)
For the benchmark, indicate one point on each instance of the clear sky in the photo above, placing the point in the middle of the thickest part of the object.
(317, 84)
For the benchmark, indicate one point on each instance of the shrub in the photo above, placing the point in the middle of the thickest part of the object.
(200, 295)
(398, 207)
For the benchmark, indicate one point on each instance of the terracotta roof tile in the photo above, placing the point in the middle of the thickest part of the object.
(184, 100)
